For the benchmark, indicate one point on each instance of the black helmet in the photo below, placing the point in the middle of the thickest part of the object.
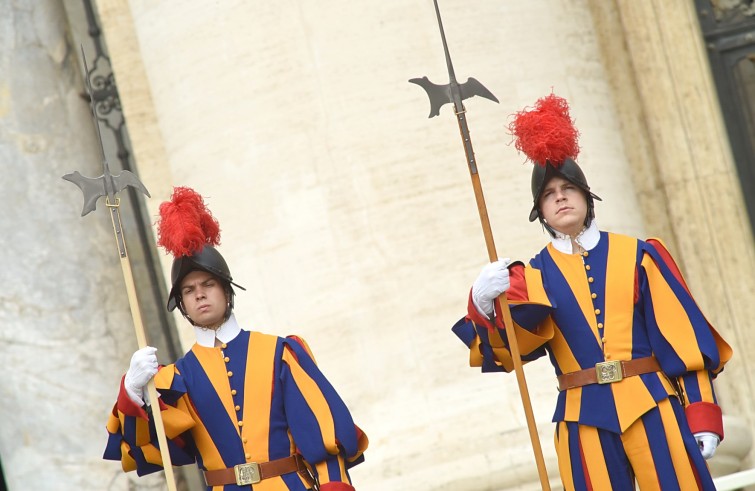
(568, 170)
(547, 136)
(188, 230)
(209, 260)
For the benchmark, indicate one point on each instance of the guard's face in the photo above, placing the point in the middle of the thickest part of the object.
(563, 206)
(204, 299)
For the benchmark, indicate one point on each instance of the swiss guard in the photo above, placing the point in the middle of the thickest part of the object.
(633, 355)
(252, 410)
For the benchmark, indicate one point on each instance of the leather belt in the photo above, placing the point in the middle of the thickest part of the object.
(608, 372)
(253, 472)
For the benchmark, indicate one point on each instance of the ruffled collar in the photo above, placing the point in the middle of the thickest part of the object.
(588, 239)
(225, 333)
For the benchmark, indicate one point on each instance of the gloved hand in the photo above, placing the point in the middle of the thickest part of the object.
(143, 367)
(708, 442)
(492, 281)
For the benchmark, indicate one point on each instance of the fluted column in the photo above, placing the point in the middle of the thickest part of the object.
(685, 174)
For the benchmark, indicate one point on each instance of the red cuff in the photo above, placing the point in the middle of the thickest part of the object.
(336, 486)
(705, 416)
(128, 406)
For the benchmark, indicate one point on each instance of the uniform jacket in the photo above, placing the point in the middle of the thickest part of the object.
(255, 399)
(622, 299)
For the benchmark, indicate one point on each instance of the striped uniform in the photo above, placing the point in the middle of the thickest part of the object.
(255, 399)
(622, 300)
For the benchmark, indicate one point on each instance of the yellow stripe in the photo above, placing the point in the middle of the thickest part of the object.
(315, 400)
(142, 432)
(213, 365)
(113, 424)
(164, 376)
(323, 476)
(573, 269)
(632, 399)
(593, 452)
(563, 353)
(637, 448)
(527, 342)
(475, 355)
(704, 383)
(619, 296)
(258, 389)
(127, 462)
(210, 455)
(682, 466)
(561, 442)
(573, 404)
(535, 289)
(671, 317)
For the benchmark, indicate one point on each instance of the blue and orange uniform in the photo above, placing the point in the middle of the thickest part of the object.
(256, 398)
(622, 302)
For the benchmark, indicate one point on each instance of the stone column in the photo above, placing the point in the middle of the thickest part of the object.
(675, 138)
(65, 327)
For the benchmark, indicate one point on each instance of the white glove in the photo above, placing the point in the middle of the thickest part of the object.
(143, 367)
(489, 285)
(708, 442)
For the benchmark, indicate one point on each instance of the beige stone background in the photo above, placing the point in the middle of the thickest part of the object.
(349, 216)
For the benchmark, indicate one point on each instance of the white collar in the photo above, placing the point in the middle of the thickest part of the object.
(588, 239)
(225, 333)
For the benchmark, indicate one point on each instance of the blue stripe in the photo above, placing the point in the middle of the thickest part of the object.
(670, 361)
(464, 330)
(488, 357)
(129, 430)
(575, 456)
(113, 447)
(619, 470)
(594, 397)
(530, 315)
(693, 451)
(568, 316)
(704, 338)
(304, 425)
(278, 444)
(293, 482)
(344, 424)
(656, 435)
(211, 411)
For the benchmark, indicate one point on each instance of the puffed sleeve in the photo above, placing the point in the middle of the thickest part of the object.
(530, 312)
(131, 431)
(686, 344)
(321, 424)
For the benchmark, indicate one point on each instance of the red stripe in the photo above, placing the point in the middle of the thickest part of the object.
(518, 290)
(584, 467)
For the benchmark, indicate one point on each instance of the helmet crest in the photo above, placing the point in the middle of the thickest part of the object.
(186, 224)
(546, 133)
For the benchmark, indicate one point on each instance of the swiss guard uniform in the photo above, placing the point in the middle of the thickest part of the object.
(251, 409)
(634, 356)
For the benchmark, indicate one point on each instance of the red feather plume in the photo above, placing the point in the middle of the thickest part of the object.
(186, 224)
(546, 132)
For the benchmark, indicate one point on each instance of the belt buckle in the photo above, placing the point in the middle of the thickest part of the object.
(609, 372)
(247, 474)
